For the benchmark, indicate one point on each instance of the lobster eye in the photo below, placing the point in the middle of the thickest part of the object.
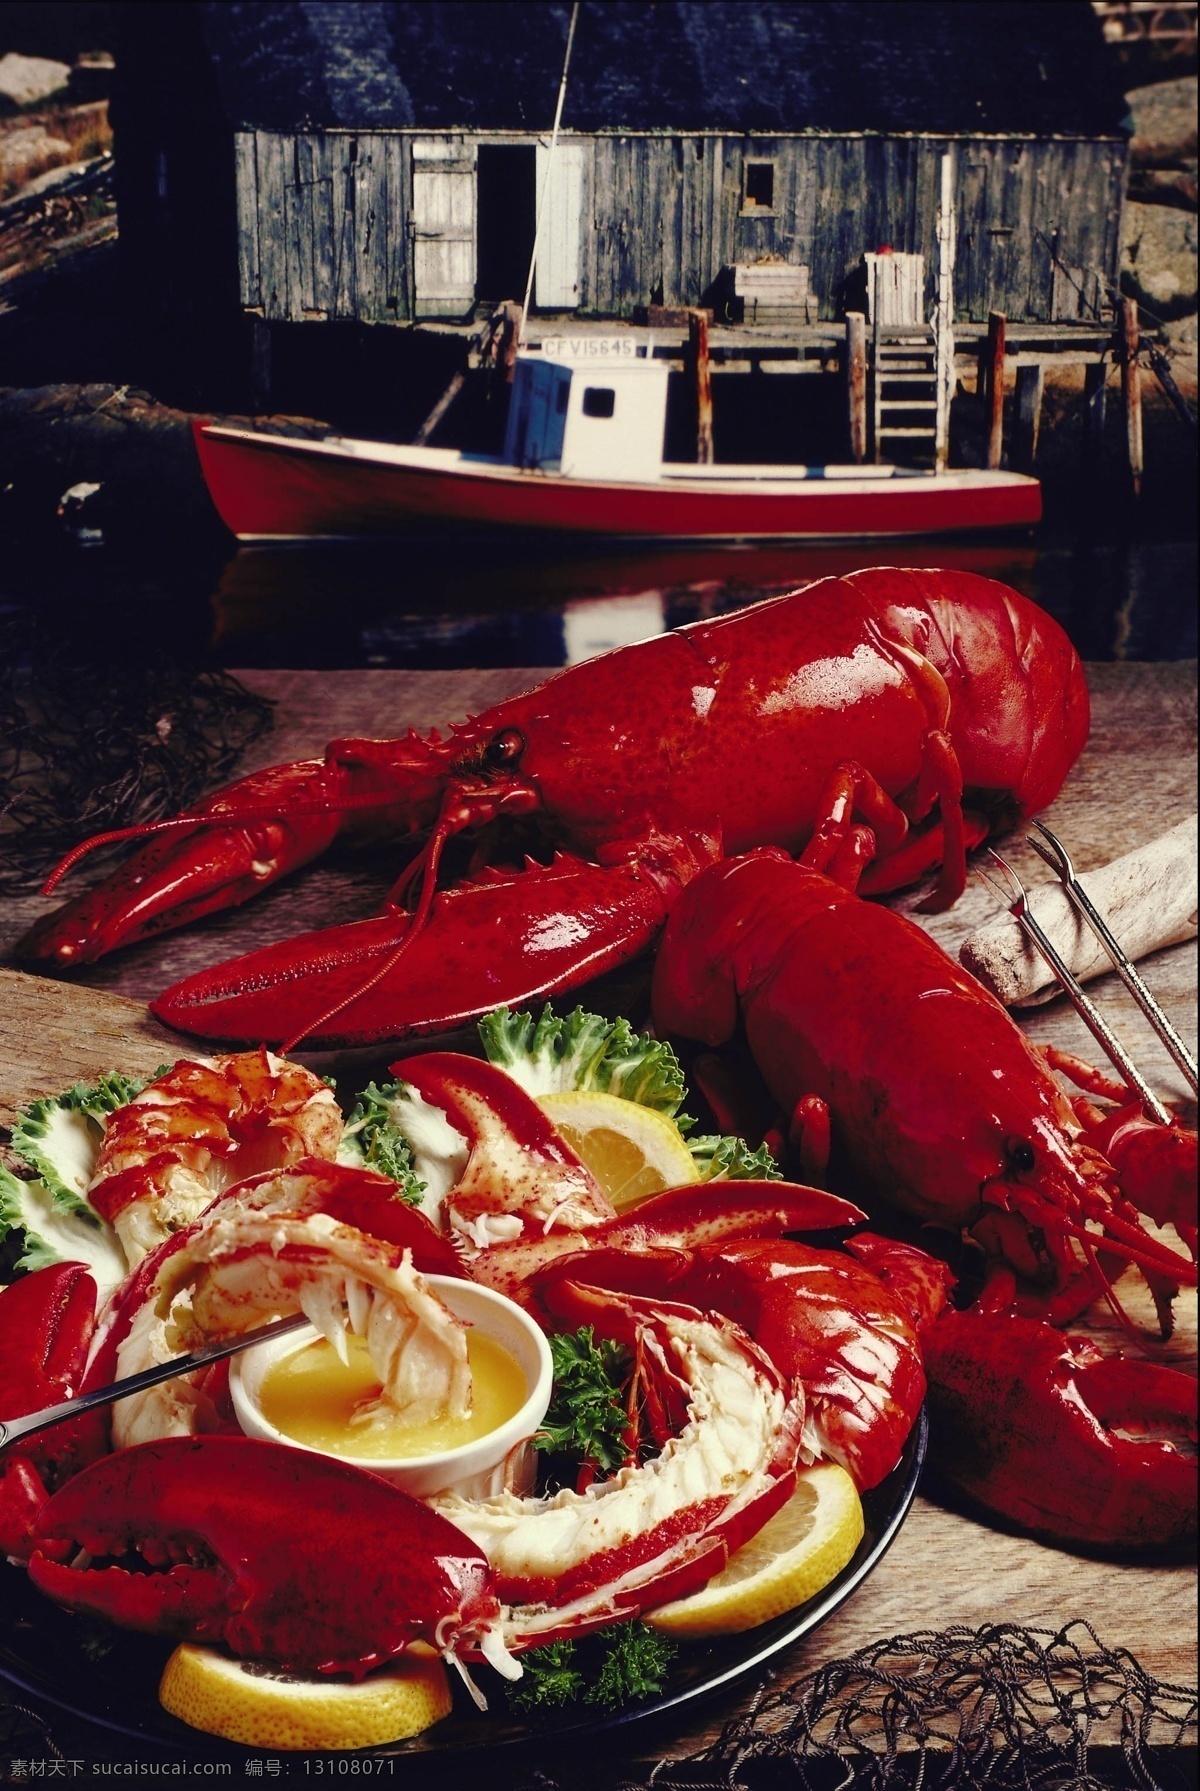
(1020, 1154)
(507, 746)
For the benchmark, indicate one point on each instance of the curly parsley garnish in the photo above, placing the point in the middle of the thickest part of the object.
(586, 1419)
(625, 1665)
(373, 1138)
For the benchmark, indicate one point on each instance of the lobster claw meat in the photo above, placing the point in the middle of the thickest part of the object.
(1037, 1428)
(519, 1173)
(928, 707)
(278, 1554)
(46, 1321)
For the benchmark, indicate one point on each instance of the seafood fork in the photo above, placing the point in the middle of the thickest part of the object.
(1052, 852)
(13, 1428)
(1016, 900)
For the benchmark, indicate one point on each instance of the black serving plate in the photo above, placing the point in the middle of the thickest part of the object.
(54, 1658)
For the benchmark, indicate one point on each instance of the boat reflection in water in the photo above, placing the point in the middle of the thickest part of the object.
(441, 603)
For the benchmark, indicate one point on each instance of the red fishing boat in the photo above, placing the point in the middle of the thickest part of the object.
(583, 456)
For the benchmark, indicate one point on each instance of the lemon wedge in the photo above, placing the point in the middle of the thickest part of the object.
(792, 1558)
(632, 1151)
(263, 1707)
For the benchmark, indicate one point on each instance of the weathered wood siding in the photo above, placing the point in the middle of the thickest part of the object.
(325, 220)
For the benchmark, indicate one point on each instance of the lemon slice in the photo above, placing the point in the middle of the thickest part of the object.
(792, 1557)
(632, 1151)
(262, 1707)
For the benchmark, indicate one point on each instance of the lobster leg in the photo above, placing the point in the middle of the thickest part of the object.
(850, 791)
(922, 852)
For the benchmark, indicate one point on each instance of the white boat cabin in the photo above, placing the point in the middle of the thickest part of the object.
(590, 418)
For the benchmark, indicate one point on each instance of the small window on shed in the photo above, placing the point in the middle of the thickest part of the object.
(760, 186)
(599, 401)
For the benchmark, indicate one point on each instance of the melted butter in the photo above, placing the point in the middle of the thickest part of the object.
(311, 1396)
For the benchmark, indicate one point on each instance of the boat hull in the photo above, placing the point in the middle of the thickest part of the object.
(272, 488)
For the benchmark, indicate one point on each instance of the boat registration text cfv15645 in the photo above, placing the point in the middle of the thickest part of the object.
(588, 348)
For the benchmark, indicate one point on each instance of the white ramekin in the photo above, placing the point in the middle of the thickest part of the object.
(501, 1459)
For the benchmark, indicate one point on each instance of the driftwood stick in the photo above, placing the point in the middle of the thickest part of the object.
(1148, 898)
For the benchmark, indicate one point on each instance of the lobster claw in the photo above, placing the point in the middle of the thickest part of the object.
(279, 1554)
(676, 1221)
(46, 1321)
(502, 939)
(1031, 1426)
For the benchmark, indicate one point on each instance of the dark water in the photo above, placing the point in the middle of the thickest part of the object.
(445, 604)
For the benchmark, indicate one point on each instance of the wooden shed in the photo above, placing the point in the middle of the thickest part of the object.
(381, 163)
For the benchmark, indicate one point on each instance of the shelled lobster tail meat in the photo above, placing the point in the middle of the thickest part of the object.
(727, 1427)
(203, 1125)
(277, 1554)
(899, 1071)
(321, 1238)
(829, 1325)
(931, 706)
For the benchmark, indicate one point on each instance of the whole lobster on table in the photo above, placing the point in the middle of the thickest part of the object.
(895, 1068)
(933, 706)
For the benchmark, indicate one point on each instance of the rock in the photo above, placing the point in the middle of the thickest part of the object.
(92, 75)
(1181, 352)
(1164, 186)
(1181, 335)
(29, 152)
(28, 80)
(1164, 123)
(140, 451)
(1158, 258)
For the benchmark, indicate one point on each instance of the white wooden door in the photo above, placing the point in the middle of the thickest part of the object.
(560, 240)
(443, 226)
(896, 288)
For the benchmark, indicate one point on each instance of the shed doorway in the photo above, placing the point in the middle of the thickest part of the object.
(507, 219)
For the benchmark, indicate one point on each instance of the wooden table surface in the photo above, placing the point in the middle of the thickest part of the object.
(1137, 777)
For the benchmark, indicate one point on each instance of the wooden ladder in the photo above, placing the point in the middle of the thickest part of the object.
(905, 389)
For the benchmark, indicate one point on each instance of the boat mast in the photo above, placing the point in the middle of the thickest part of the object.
(541, 210)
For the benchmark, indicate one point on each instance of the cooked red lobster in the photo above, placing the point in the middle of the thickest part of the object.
(181, 1528)
(895, 1067)
(933, 706)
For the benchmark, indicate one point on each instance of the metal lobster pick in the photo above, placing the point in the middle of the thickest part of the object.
(1016, 900)
(13, 1428)
(1055, 854)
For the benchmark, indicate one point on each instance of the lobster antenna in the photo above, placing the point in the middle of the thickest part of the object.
(431, 852)
(541, 209)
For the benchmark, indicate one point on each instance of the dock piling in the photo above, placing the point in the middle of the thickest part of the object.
(1131, 390)
(1095, 406)
(992, 369)
(1027, 421)
(700, 368)
(856, 383)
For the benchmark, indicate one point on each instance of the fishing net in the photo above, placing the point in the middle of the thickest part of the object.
(1000, 1707)
(1004, 1707)
(86, 746)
